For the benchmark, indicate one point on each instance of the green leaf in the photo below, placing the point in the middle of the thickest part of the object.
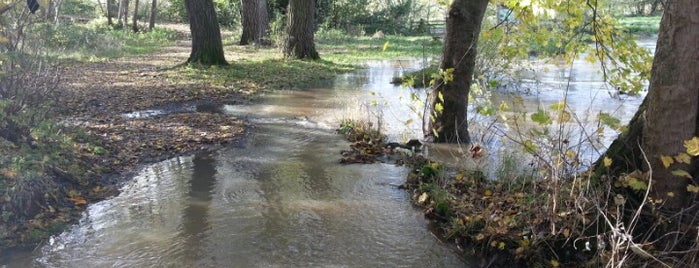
(608, 120)
(559, 106)
(681, 173)
(541, 117)
(529, 147)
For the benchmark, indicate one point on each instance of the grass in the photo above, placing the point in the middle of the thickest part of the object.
(355, 50)
(641, 25)
(96, 40)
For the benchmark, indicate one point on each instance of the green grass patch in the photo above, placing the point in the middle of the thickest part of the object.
(96, 40)
(354, 50)
(641, 25)
(252, 76)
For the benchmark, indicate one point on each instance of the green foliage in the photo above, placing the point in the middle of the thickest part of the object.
(640, 24)
(97, 40)
(81, 8)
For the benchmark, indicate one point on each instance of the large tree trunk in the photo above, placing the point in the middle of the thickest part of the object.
(299, 32)
(207, 47)
(123, 16)
(153, 12)
(134, 25)
(673, 100)
(255, 22)
(445, 112)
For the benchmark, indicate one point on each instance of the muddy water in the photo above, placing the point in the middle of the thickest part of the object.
(279, 199)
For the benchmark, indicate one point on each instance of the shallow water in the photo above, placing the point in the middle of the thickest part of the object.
(278, 199)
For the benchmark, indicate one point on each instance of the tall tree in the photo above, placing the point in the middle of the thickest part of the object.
(134, 25)
(299, 41)
(110, 12)
(445, 115)
(207, 47)
(123, 15)
(153, 12)
(255, 22)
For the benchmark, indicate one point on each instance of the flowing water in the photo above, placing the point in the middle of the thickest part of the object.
(280, 198)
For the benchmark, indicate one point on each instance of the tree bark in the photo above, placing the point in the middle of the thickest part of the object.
(110, 15)
(153, 12)
(123, 12)
(449, 123)
(255, 20)
(134, 25)
(207, 47)
(673, 100)
(299, 41)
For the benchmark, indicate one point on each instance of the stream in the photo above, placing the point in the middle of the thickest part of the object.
(277, 199)
(280, 198)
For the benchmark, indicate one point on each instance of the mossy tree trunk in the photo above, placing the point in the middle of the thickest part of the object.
(445, 115)
(300, 43)
(207, 47)
(255, 20)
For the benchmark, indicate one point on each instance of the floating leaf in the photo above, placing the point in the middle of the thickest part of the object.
(555, 263)
(681, 173)
(683, 158)
(667, 160)
(607, 162)
(692, 146)
(385, 46)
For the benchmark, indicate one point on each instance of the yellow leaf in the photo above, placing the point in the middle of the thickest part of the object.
(667, 160)
(692, 146)
(385, 46)
(488, 192)
(692, 188)
(683, 158)
(423, 198)
(554, 263)
(607, 162)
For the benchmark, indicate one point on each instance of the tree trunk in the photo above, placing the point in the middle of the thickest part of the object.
(673, 101)
(299, 41)
(153, 12)
(110, 10)
(123, 12)
(207, 47)
(255, 20)
(445, 118)
(134, 25)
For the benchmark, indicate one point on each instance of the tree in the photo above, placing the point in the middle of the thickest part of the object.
(153, 11)
(299, 41)
(110, 12)
(255, 22)
(123, 14)
(670, 113)
(207, 47)
(445, 117)
(134, 25)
